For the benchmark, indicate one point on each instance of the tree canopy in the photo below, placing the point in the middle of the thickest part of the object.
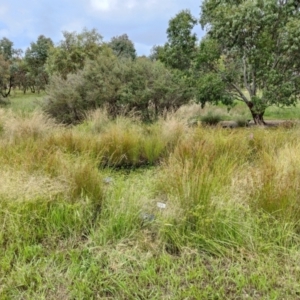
(35, 58)
(73, 51)
(180, 48)
(122, 46)
(251, 53)
(7, 50)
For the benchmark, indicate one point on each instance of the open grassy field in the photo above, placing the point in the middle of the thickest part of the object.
(118, 209)
(25, 103)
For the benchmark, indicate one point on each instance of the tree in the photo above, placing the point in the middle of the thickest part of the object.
(9, 58)
(157, 53)
(122, 46)
(141, 85)
(7, 50)
(22, 77)
(251, 53)
(35, 57)
(5, 78)
(180, 49)
(72, 52)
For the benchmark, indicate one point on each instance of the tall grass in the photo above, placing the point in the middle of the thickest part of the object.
(199, 179)
(80, 218)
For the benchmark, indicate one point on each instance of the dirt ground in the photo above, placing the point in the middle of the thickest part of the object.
(269, 123)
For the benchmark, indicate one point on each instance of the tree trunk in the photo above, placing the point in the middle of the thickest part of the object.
(258, 118)
(257, 114)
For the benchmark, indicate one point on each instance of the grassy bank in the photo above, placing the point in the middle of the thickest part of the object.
(116, 209)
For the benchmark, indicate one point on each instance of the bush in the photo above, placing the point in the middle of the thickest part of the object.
(242, 121)
(120, 85)
(211, 118)
(66, 100)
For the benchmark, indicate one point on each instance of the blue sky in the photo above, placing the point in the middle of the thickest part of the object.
(145, 21)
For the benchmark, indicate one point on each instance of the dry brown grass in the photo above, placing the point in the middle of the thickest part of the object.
(18, 127)
(97, 120)
(23, 186)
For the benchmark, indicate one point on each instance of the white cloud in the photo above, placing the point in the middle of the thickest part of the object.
(120, 5)
(103, 5)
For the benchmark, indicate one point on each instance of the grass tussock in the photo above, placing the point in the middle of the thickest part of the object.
(16, 127)
(211, 118)
(96, 120)
(21, 186)
(211, 208)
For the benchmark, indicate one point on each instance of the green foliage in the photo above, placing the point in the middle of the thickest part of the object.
(7, 50)
(212, 89)
(122, 46)
(36, 55)
(242, 121)
(5, 77)
(179, 51)
(211, 118)
(258, 43)
(119, 84)
(65, 99)
(9, 58)
(157, 53)
(71, 53)
(35, 59)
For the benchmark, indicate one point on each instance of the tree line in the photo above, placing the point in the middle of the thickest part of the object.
(250, 53)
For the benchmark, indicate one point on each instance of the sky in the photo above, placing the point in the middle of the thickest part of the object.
(144, 21)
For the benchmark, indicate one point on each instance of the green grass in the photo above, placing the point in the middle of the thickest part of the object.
(287, 113)
(20, 102)
(73, 202)
(241, 112)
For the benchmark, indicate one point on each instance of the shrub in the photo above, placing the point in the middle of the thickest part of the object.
(242, 121)
(117, 84)
(65, 100)
(211, 118)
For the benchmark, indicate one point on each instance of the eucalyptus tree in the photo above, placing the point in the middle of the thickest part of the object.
(9, 58)
(35, 57)
(251, 53)
(72, 52)
(5, 78)
(180, 49)
(122, 46)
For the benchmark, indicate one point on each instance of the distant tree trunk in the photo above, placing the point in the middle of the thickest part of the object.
(5, 92)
